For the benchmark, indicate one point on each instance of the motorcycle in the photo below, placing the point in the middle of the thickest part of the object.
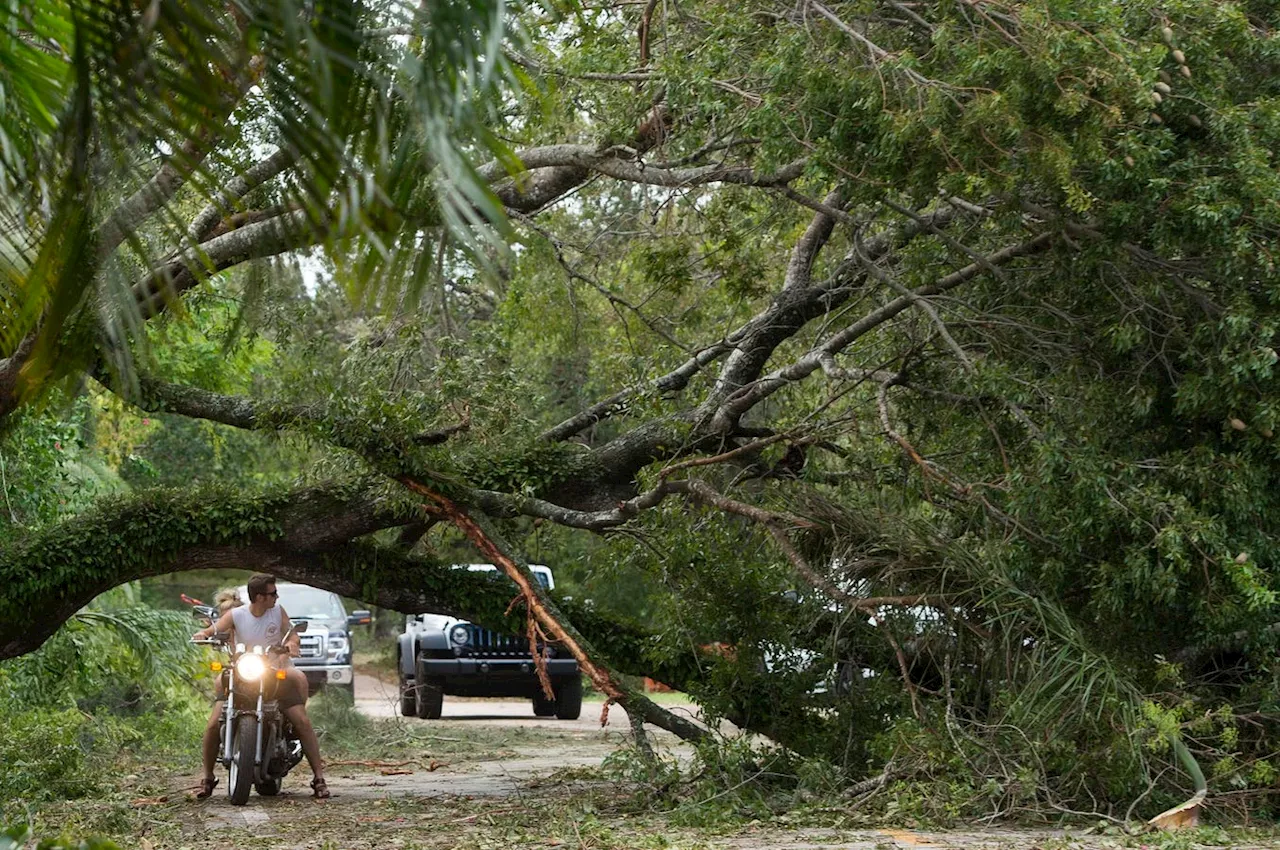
(257, 744)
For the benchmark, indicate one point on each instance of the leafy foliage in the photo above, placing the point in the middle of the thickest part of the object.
(16, 837)
(1055, 473)
(116, 676)
(74, 97)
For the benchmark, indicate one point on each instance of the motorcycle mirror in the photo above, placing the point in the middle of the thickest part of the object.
(204, 612)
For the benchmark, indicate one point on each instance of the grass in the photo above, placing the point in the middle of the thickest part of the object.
(375, 655)
(584, 807)
(143, 795)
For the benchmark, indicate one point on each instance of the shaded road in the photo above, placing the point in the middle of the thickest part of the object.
(377, 698)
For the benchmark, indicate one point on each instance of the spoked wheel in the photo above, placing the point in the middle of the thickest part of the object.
(243, 743)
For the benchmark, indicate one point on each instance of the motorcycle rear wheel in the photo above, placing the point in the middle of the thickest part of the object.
(268, 788)
(243, 744)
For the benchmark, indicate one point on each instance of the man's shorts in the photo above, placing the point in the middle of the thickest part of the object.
(288, 694)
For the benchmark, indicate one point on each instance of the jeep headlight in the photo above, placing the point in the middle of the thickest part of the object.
(460, 634)
(250, 667)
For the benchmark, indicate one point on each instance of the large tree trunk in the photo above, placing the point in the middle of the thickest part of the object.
(310, 535)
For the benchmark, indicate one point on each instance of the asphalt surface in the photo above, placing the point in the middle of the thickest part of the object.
(377, 698)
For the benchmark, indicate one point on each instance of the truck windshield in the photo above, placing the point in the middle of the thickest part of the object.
(310, 603)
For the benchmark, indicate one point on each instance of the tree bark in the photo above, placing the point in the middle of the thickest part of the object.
(309, 535)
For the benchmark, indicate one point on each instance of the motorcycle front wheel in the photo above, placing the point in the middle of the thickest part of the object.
(243, 744)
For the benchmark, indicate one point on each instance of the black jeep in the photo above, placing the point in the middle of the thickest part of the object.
(440, 655)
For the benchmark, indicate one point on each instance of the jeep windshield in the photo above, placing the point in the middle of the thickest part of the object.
(310, 603)
(497, 576)
(542, 574)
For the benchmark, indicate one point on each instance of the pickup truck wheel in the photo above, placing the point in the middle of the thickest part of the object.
(543, 707)
(569, 699)
(429, 696)
(408, 699)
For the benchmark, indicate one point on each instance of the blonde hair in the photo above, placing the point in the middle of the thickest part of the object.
(227, 599)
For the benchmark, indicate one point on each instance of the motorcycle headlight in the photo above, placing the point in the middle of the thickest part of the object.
(460, 635)
(250, 667)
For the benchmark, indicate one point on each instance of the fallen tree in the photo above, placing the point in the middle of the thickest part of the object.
(953, 326)
(309, 535)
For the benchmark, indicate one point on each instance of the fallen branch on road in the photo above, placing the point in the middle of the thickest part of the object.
(550, 620)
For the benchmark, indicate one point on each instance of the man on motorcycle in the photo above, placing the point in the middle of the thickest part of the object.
(262, 623)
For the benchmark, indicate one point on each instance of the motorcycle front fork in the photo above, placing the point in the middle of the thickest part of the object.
(228, 708)
(257, 747)
(228, 711)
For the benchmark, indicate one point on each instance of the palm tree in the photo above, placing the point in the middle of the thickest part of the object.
(147, 144)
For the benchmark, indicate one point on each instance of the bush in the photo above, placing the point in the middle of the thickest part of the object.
(340, 726)
(106, 682)
(20, 837)
(47, 754)
(728, 781)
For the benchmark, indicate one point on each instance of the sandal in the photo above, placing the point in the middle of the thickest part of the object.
(319, 789)
(206, 787)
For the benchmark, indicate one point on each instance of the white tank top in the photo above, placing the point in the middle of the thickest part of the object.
(261, 631)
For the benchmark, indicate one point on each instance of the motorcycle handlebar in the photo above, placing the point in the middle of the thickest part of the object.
(215, 639)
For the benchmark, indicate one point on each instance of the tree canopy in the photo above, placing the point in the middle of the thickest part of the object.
(921, 347)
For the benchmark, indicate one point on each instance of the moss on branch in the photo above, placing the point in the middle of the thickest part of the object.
(304, 534)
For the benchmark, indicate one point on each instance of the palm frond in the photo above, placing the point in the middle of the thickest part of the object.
(130, 112)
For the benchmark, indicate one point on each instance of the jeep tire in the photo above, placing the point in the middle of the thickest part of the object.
(429, 695)
(543, 707)
(408, 699)
(569, 698)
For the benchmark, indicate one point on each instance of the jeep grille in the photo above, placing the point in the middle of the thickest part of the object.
(488, 642)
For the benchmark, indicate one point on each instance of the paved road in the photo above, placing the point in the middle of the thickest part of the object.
(379, 699)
